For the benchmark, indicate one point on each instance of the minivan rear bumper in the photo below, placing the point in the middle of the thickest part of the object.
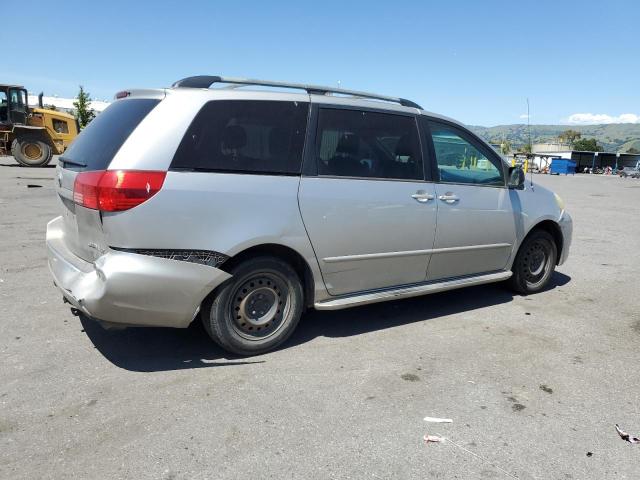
(128, 288)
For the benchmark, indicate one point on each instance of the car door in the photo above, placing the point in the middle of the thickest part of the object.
(476, 226)
(367, 208)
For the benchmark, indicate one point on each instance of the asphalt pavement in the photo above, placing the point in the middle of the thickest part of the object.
(534, 385)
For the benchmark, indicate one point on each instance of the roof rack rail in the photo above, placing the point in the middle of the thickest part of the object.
(205, 81)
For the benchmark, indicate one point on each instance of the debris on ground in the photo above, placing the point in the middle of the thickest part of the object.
(435, 438)
(437, 420)
(432, 438)
(625, 436)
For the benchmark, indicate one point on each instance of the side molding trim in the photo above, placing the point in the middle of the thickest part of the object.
(412, 253)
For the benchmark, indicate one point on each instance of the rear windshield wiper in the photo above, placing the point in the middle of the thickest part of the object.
(72, 162)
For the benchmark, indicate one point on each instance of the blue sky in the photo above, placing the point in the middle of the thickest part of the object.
(476, 61)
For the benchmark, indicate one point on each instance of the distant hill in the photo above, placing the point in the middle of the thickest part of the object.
(613, 137)
(626, 146)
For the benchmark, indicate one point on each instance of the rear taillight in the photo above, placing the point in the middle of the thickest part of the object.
(116, 190)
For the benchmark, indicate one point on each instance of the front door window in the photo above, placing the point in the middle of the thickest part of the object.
(462, 161)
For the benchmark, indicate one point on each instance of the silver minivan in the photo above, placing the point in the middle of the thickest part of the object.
(244, 207)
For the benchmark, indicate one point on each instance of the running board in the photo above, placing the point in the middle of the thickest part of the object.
(411, 291)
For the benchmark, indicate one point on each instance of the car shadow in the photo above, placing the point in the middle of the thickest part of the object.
(159, 349)
(164, 349)
(380, 316)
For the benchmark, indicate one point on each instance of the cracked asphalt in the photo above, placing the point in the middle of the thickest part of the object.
(534, 385)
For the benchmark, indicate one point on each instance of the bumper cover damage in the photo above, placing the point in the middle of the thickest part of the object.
(128, 288)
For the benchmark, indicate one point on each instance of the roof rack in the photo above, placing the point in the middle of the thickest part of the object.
(205, 81)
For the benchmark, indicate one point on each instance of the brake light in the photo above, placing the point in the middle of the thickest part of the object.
(116, 190)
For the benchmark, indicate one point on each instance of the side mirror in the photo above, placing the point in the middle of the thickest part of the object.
(516, 178)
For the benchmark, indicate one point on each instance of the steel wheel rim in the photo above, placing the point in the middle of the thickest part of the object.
(536, 262)
(32, 151)
(259, 306)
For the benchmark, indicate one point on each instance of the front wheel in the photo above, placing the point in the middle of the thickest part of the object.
(257, 309)
(534, 263)
(31, 151)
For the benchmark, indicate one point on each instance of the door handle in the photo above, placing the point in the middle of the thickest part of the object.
(449, 197)
(422, 196)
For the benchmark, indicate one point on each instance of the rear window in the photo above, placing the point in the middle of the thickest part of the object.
(245, 136)
(98, 143)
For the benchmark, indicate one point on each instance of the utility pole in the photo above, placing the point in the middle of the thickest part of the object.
(529, 126)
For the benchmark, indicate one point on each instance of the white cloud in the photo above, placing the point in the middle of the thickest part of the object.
(524, 116)
(594, 118)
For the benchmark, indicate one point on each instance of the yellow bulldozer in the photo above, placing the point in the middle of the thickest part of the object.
(32, 135)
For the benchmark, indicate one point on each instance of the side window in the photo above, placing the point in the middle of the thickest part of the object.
(245, 136)
(60, 126)
(461, 161)
(3, 107)
(18, 101)
(352, 143)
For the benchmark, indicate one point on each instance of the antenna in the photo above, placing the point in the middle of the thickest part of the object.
(530, 146)
(529, 123)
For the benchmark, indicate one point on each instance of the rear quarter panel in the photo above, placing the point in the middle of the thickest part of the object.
(223, 212)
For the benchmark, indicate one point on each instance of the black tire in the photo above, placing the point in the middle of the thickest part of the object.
(31, 151)
(257, 309)
(535, 263)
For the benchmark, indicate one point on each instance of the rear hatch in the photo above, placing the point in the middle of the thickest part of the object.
(93, 150)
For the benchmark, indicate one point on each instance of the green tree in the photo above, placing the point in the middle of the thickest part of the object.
(633, 150)
(526, 148)
(569, 136)
(505, 147)
(587, 145)
(84, 113)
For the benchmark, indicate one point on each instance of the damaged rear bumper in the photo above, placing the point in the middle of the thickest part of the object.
(128, 288)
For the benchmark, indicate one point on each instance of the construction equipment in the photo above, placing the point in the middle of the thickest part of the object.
(32, 135)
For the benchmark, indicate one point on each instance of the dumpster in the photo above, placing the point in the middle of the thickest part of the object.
(562, 165)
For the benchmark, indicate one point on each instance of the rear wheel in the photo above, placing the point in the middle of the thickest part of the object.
(31, 151)
(534, 263)
(257, 309)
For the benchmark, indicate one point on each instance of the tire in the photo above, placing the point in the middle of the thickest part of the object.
(534, 264)
(257, 309)
(31, 151)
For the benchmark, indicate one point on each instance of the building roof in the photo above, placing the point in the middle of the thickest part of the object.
(66, 103)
